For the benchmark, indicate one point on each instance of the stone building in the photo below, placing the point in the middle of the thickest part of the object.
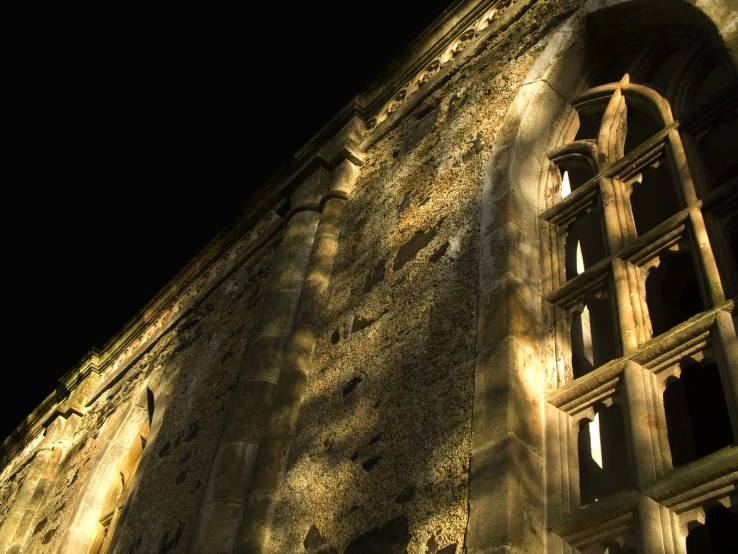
(491, 309)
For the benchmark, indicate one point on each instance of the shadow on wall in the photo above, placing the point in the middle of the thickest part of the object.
(381, 448)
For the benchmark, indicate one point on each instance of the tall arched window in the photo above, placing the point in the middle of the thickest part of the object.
(639, 247)
(644, 208)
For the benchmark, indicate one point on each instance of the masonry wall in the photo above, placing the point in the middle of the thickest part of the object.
(382, 448)
(404, 414)
(381, 452)
(197, 361)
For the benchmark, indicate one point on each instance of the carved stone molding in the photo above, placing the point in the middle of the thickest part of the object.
(455, 46)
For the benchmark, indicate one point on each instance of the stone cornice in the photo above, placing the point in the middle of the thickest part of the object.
(462, 27)
(456, 29)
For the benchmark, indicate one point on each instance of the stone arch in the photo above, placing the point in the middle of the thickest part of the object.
(514, 326)
(142, 415)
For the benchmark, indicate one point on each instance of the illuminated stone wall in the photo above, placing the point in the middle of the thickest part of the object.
(379, 357)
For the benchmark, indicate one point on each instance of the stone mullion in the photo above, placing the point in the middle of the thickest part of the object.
(727, 350)
(654, 524)
(561, 468)
(297, 367)
(703, 254)
(705, 259)
(226, 494)
(644, 424)
(615, 205)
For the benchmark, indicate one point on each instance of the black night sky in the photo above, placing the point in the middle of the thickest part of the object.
(138, 135)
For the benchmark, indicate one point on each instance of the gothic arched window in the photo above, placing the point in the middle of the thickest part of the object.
(644, 210)
(641, 274)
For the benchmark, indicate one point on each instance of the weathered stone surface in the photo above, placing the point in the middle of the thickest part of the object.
(506, 474)
(382, 372)
(424, 126)
(392, 538)
(508, 394)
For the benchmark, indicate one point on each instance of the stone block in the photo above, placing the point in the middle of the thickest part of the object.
(9, 526)
(331, 217)
(506, 250)
(565, 49)
(287, 401)
(250, 404)
(290, 263)
(278, 310)
(272, 459)
(510, 207)
(509, 308)
(521, 147)
(313, 299)
(300, 348)
(231, 474)
(344, 176)
(506, 499)
(321, 258)
(263, 358)
(218, 526)
(348, 136)
(508, 395)
(255, 530)
(312, 190)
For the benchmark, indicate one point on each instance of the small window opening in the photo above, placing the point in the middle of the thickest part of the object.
(603, 457)
(593, 336)
(654, 198)
(719, 534)
(663, 74)
(589, 124)
(584, 235)
(565, 185)
(713, 83)
(697, 419)
(672, 291)
(719, 151)
(640, 128)
(573, 177)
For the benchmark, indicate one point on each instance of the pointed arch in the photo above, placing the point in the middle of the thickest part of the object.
(100, 510)
(528, 302)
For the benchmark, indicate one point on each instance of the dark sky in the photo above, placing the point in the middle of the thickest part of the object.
(138, 136)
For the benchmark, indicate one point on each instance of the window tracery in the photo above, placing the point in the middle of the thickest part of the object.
(640, 221)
